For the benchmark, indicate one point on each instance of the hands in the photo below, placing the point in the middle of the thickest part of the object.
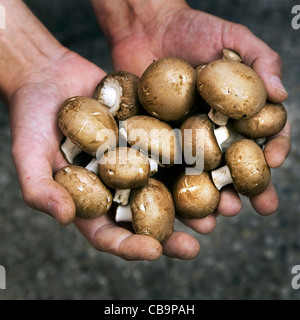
(41, 87)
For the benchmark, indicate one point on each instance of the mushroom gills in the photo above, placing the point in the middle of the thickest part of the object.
(110, 95)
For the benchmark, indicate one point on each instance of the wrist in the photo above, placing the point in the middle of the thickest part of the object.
(26, 46)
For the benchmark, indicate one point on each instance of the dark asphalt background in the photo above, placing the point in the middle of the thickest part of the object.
(246, 257)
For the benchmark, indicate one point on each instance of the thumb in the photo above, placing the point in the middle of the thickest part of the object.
(39, 190)
(258, 55)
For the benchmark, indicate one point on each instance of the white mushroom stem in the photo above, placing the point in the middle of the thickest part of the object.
(122, 196)
(225, 136)
(123, 214)
(110, 95)
(153, 166)
(93, 166)
(221, 177)
(217, 117)
(70, 150)
(221, 134)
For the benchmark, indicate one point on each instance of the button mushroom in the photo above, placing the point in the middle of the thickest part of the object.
(119, 92)
(245, 167)
(214, 140)
(231, 88)
(91, 197)
(85, 123)
(154, 137)
(167, 89)
(151, 210)
(123, 169)
(268, 122)
(195, 196)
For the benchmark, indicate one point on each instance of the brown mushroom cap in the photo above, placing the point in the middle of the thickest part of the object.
(212, 153)
(82, 119)
(153, 210)
(156, 138)
(232, 88)
(124, 168)
(268, 122)
(249, 170)
(195, 196)
(91, 197)
(167, 89)
(119, 92)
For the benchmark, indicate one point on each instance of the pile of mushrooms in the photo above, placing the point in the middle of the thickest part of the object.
(167, 143)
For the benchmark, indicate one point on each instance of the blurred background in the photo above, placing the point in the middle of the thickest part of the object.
(246, 257)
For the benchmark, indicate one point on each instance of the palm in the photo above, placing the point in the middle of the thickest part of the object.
(181, 34)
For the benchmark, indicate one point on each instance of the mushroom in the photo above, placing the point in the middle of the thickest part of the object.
(123, 169)
(231, 88)
(203, 142)
(167, 89)
(245, 167)
(154, 137)
(91, 197)
(86, 124)
(195, 196)
(118, 91)
(268, 122)
(151, 210)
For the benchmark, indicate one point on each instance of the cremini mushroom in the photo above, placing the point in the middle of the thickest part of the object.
(123, 169)
(86, 123)
(154, 137)
(151, 210)
(245, 167)
(195, 196)
(231, 88)
(167, 89)
(91, 196)
(198, 131)
(268, 122)
(119, 92)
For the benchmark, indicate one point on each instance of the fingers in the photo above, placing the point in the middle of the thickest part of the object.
(278, 147)
(181, 246)
(106, 236)
(203, 226)
(267, 202)
(259, 56)
(230, 203)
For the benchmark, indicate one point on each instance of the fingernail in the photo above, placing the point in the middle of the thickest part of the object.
(277, 85)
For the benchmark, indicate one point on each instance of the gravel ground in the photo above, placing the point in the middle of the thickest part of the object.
(246, 257)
